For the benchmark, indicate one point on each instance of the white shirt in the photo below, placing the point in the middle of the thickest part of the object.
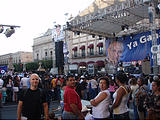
(1, 83)
(93, 83)
(122, 108)
(101, 110)
(24, 81)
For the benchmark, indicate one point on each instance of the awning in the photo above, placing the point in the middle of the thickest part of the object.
(82, 64)
(100, 44)
(74, 49)
(90, 62)
(75, 63)
(82, 47)
(91, 46)
(100, 63)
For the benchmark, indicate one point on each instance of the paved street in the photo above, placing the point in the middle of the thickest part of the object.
(9, 111)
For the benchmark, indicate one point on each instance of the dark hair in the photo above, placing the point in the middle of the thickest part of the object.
(106, 79)
(68, 76)
(122, 77)
(157, 83)
(142, 80)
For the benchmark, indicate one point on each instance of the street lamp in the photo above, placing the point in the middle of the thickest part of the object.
(9, 30)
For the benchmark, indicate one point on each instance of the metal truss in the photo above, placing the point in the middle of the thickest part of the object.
(118, 19)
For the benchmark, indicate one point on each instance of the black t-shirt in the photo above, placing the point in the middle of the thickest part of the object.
(32, 103)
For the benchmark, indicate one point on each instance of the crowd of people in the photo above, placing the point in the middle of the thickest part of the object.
(110, 96)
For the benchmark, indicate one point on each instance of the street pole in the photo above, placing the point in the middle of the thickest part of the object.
(151, 12)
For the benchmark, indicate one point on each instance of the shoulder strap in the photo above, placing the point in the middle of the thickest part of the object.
(124, 89)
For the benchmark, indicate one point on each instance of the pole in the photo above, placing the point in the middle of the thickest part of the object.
(151, 12)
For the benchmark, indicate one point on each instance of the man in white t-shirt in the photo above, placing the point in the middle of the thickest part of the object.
(24, 82)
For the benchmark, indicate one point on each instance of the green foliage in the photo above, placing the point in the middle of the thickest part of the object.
(33, 66)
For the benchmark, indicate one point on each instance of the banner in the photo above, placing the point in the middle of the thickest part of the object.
(3, 69)
(130, 48)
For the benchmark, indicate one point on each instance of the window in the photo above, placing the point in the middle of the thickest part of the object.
(75, 53)
(51, 53)
(83, 52)
(100, 50)
(37, 56)
(45, 54)
(91, 50)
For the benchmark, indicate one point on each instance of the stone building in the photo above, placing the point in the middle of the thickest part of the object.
(86, 49)
(15, 58)
(43, 47)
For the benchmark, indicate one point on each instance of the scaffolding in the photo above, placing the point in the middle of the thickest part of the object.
(117, 18)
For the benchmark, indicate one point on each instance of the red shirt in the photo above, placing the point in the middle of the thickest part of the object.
(70, 96)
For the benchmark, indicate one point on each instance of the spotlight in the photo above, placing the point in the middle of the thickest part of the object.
(114, 34)
(1, 29)
(78, 33)
(100, 37)
(122, 27)
(9, 31)
(93, 35)
(116, 38)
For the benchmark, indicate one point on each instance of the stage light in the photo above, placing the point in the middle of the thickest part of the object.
(9, 31)
(1, 29)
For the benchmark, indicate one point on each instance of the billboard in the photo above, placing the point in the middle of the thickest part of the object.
(130, 48)
(3, 69)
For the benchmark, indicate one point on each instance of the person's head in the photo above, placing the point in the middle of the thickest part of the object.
(140, 81)
(70, 81)
(115, 50)
(34, 80)
(103, 83)
(121, 77)
(156, 85)
(133, 81)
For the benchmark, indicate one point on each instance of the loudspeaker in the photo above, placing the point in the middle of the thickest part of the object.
(59, 54)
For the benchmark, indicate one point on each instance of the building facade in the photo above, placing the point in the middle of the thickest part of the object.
(15, 58)
(43, 47)
(86, 49)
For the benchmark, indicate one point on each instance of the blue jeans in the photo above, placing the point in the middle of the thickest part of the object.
(68, 116)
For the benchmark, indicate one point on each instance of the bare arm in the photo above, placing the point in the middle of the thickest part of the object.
(96, 101)
(45, 106)
(76, 111)
(121, 92)
(19, 110)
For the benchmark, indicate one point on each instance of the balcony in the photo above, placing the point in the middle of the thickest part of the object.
(94, 54)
